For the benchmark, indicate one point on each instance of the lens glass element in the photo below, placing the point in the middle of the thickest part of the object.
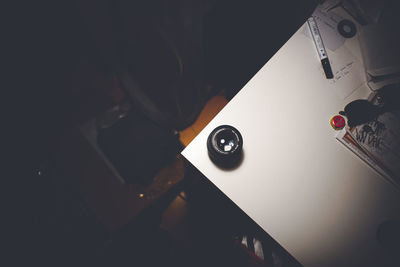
(226, 140)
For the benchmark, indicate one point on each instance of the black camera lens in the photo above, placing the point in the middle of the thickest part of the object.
(224, 146)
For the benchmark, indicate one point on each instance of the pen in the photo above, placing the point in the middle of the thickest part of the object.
(320, 47)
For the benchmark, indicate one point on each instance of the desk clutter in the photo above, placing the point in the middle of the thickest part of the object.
(362, 46)
(344, 72)
(361, 43)
(373, 131)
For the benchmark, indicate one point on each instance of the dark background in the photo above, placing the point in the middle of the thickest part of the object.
(45, 41)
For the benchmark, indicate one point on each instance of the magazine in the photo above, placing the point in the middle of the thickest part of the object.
(377, 142)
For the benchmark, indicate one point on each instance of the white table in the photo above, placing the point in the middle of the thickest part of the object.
(316, 198)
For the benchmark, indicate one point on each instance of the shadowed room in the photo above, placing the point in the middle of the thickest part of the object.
(111, 93)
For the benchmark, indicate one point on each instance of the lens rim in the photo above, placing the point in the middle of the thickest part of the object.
(236, 138)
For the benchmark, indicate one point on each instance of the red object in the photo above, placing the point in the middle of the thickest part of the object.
(338, 122)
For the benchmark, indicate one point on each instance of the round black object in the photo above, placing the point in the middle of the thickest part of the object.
(224, 146)
(347, 28)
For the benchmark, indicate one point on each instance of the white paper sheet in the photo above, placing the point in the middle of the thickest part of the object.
(327, 26)
(348, 71)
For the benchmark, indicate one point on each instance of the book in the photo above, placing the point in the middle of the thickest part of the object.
(377, 143)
